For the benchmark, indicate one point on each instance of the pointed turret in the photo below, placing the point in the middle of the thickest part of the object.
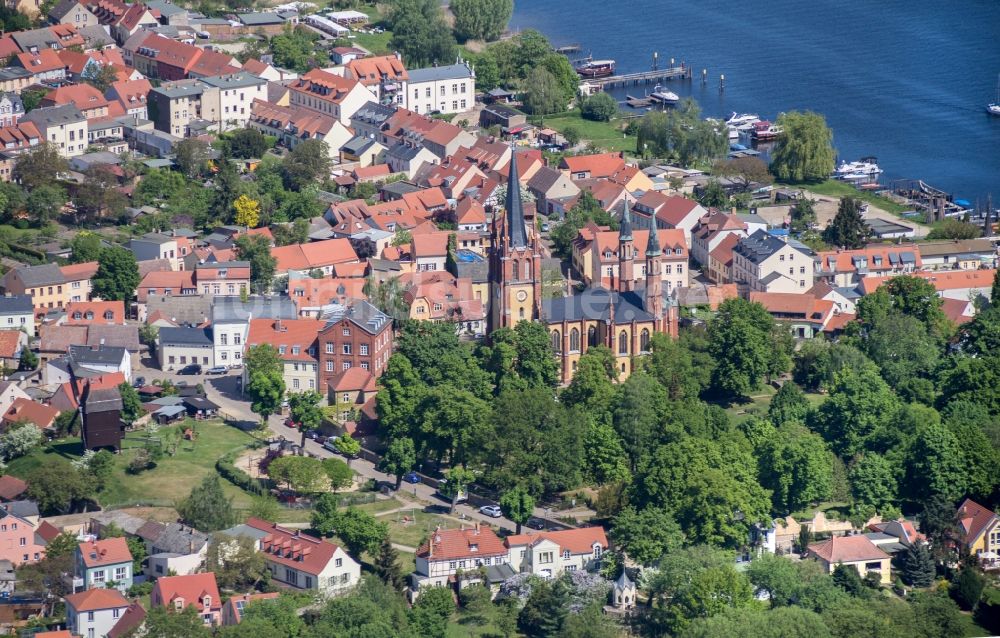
(517, 235)
(625, 229)
(653, 245)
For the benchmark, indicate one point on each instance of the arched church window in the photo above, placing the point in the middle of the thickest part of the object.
(556, 341)
(644, 340)
(574, 340)
(623, 343)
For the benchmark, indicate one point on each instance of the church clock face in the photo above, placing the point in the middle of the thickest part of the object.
(521, 295)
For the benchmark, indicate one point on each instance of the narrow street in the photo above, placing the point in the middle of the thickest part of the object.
(224, 391)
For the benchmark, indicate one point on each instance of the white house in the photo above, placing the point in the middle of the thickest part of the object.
(17, 312)
(448, 89)
(305, 562)
(237, 92)
(449, 551)
(99, 359)
(549, 554)
(765, 263)
(93, 613)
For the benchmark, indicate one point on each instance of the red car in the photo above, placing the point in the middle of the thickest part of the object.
(291, 424)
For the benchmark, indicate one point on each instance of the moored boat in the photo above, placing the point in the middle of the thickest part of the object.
(764, 130)
(993, 108)
(741, 119)
(596, 68)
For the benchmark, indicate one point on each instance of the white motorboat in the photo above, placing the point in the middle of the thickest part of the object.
(665, 97)
(737, 120)
(867, 167)
(993, 108)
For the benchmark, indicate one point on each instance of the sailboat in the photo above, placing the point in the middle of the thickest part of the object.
(994, 107)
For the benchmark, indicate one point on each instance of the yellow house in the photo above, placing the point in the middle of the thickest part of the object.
(854, 551)
(980, 529)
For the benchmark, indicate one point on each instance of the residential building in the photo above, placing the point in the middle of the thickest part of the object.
(178, 347)
(78, 278)
(14, 139)
(853, 551)
(470, 215)
(157, 246)
(297, 346)
(719, 268)
(168, 283)
(84, 97)
(28, 411)
(72, 12)
(294, 125)
(175, 548)
(232, 611)
(44, 66)
(805, 315)
(351, 391)
(385, 76)
(174, 105)
(765, 263)
(597, 165)
(960, 285)
(65, 127)
(430, 251)
(236, 94)
(356, 335)
(195, 590)
(330, 94)
(440, 296)
(11, 109)
(20, 540)
(231, 323)
(669, 211)
(85, 313)
(711, 230)
(17, 312)
(305, 562)
(45, 284)
(449, 551)
(959, 254)
(980, 530)
(605, 259)
(549, 554)
(95, 612)
(319, 255)
(447, 89)
(132, 96)
(10, 392)
(230, 278)
(549, 186)
(99, 563)
(842, 268)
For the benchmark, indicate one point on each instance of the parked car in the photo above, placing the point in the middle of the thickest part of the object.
(411, 477)
(289, 423)
(535, 523)
(216, 370)
(192, 368)
(491, 510)
(139, 382)
(329, 445)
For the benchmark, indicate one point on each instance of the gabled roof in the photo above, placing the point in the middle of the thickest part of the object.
(191, 588)
(431, 244)
(288, 335)
(96, 599)
(847, 549)
(352, 379)
(11, 487)
(292, 548)
(761, 245)
(576, 541)
(237, 603)
(370, 71)
(33, 412)
(133, 617)
(10, 343)
(974, 519)
(452, 544)
(108, 551)
(314, 254)
(597, 165)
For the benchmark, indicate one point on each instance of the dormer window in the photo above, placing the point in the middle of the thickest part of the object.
(565, 554)
(89, 315)
(179, 604)
(206, 602)
(473, 547)
(109, 315)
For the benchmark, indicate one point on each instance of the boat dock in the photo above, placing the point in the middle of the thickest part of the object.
(682, 72)
(934, 203)
(638, 102)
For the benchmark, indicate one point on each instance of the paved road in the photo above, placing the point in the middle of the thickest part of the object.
(224, 391)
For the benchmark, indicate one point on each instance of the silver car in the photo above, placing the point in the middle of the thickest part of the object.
(491, 510)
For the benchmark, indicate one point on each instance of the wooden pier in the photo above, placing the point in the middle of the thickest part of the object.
(682, 72)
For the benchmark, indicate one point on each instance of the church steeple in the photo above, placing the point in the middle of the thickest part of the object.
(517, 234)
(654, 280)
(626, 252)
(653, 245)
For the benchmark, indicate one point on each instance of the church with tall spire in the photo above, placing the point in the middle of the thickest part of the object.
(623, 317)
(515, 261)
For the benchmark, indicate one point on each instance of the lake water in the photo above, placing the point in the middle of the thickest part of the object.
(903, 80)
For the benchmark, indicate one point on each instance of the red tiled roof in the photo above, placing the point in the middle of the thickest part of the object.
(958, 310)
(23, 409)
(839, 321)
(369, 71)
(431, 244)
(20, 135)
(843, 260)
(974, 519)
(292, 548)
(941, 279)
(314, 254)
(723, 253)
(323, 85)
(11, 487)
(96, 599)
(847, 549)
(577, 541)
(311, 293)
(47, 531)
(62, 633)
(79, 272)
(191, 588)
(427, 199)
(289, 334)
(97, 312)
(352, 379)
(133, 617)
(597, 165)
(109, 551)
(41, 62)
(168, 279)
(10, 341)
(671, 240)
(472, 542)
(790, 303)
(470, 211)
(371, 172)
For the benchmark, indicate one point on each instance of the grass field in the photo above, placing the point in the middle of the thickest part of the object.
(411, 533)
(837, 188)
(377, 43)
(605, 135)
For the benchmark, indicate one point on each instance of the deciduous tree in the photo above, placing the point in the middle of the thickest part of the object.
(600, 107)
(39, 167)
(517, 505)
(257, 250)
(646, 535)
(305, 412)
(265, 380)
(207, 508)
(117, 275)
(804, 150)
(400, 457)
(481, 19)
(247, 212)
